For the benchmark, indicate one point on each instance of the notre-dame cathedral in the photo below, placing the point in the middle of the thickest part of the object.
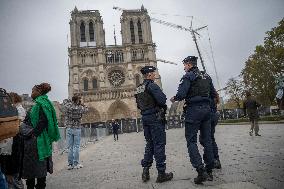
(106, 76)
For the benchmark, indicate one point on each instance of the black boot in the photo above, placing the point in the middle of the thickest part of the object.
(145, 174)
(217, 164)
(210, 175)
(202, 175)
(163, 177)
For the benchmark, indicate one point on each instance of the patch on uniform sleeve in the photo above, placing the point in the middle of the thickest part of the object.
(140, 89)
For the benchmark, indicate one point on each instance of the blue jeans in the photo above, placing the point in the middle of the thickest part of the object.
(198, 117)
(3, 183)
(155, 136)
(73, 141)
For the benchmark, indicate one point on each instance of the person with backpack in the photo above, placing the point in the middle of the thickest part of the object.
(11, 163)
(73, 111)
(9, 128)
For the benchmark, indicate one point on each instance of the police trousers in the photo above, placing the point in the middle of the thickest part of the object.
(214, 122)
(198, 117)
(155, 136)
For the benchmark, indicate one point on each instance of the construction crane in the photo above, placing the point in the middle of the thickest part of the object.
(166, 61)
(192, 31)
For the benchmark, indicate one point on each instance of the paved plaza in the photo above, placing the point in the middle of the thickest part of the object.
(247, 162)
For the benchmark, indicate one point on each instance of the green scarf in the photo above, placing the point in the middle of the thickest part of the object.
(45, 139)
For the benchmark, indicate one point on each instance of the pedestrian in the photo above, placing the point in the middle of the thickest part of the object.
(197, 89)
(115, 127)
(9, 124)
(73, 110)
(214, 121)
(11, 162)
(39, 130)
(280, 94)
(251, 110)
(151, 101)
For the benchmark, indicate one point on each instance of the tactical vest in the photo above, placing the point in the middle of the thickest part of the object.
(144, 99)
(200, 86)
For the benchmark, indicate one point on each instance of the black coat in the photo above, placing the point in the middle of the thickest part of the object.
(10, 164)
(251, 108)
(115, 127)
(30, 166)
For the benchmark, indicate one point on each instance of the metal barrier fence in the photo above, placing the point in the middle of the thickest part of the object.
(89, 133)
(95, 131)
(239, 112)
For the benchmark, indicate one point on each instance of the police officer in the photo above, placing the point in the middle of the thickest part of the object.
(152, 102)
(197, 89)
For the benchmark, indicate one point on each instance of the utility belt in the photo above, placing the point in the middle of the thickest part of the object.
(197, 100)
(161, 115)
(153, 110)
(159, 112)
(200, 102)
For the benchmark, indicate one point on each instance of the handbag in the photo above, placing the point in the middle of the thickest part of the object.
(9, 121)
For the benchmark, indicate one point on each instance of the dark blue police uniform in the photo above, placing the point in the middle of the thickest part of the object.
(197, 89)
(152, 102)
(214, 122)
(154, 128)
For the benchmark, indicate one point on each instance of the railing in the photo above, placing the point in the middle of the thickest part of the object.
(92, 132)
(89, 134)
(108, 94)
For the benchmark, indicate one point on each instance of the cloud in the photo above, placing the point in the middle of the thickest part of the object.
(34, 33)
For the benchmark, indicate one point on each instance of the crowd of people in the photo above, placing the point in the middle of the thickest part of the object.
(28, 155)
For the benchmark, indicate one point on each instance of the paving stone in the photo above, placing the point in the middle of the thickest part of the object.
(247, 162)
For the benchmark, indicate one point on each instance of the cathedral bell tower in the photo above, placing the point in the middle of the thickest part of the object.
(106, 76)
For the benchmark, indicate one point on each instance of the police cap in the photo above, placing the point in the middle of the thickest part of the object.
(147, 69)
(191, 59)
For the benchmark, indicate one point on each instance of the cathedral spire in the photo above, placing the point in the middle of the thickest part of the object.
(114, 35)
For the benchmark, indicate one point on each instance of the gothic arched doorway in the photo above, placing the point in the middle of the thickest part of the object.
(91, 116)
(118, 110)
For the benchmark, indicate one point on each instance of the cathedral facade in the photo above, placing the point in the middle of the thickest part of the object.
(106, 76)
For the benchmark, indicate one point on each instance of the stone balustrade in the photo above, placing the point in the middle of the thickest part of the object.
(91, 96)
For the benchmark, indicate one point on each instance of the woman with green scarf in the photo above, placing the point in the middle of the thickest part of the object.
(39, 131)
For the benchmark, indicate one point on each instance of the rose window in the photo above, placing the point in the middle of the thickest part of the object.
(116, 78)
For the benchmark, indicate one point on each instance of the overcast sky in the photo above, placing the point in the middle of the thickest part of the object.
(33, 37)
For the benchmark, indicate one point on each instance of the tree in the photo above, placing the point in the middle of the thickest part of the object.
(235, 89)
(265, 65)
